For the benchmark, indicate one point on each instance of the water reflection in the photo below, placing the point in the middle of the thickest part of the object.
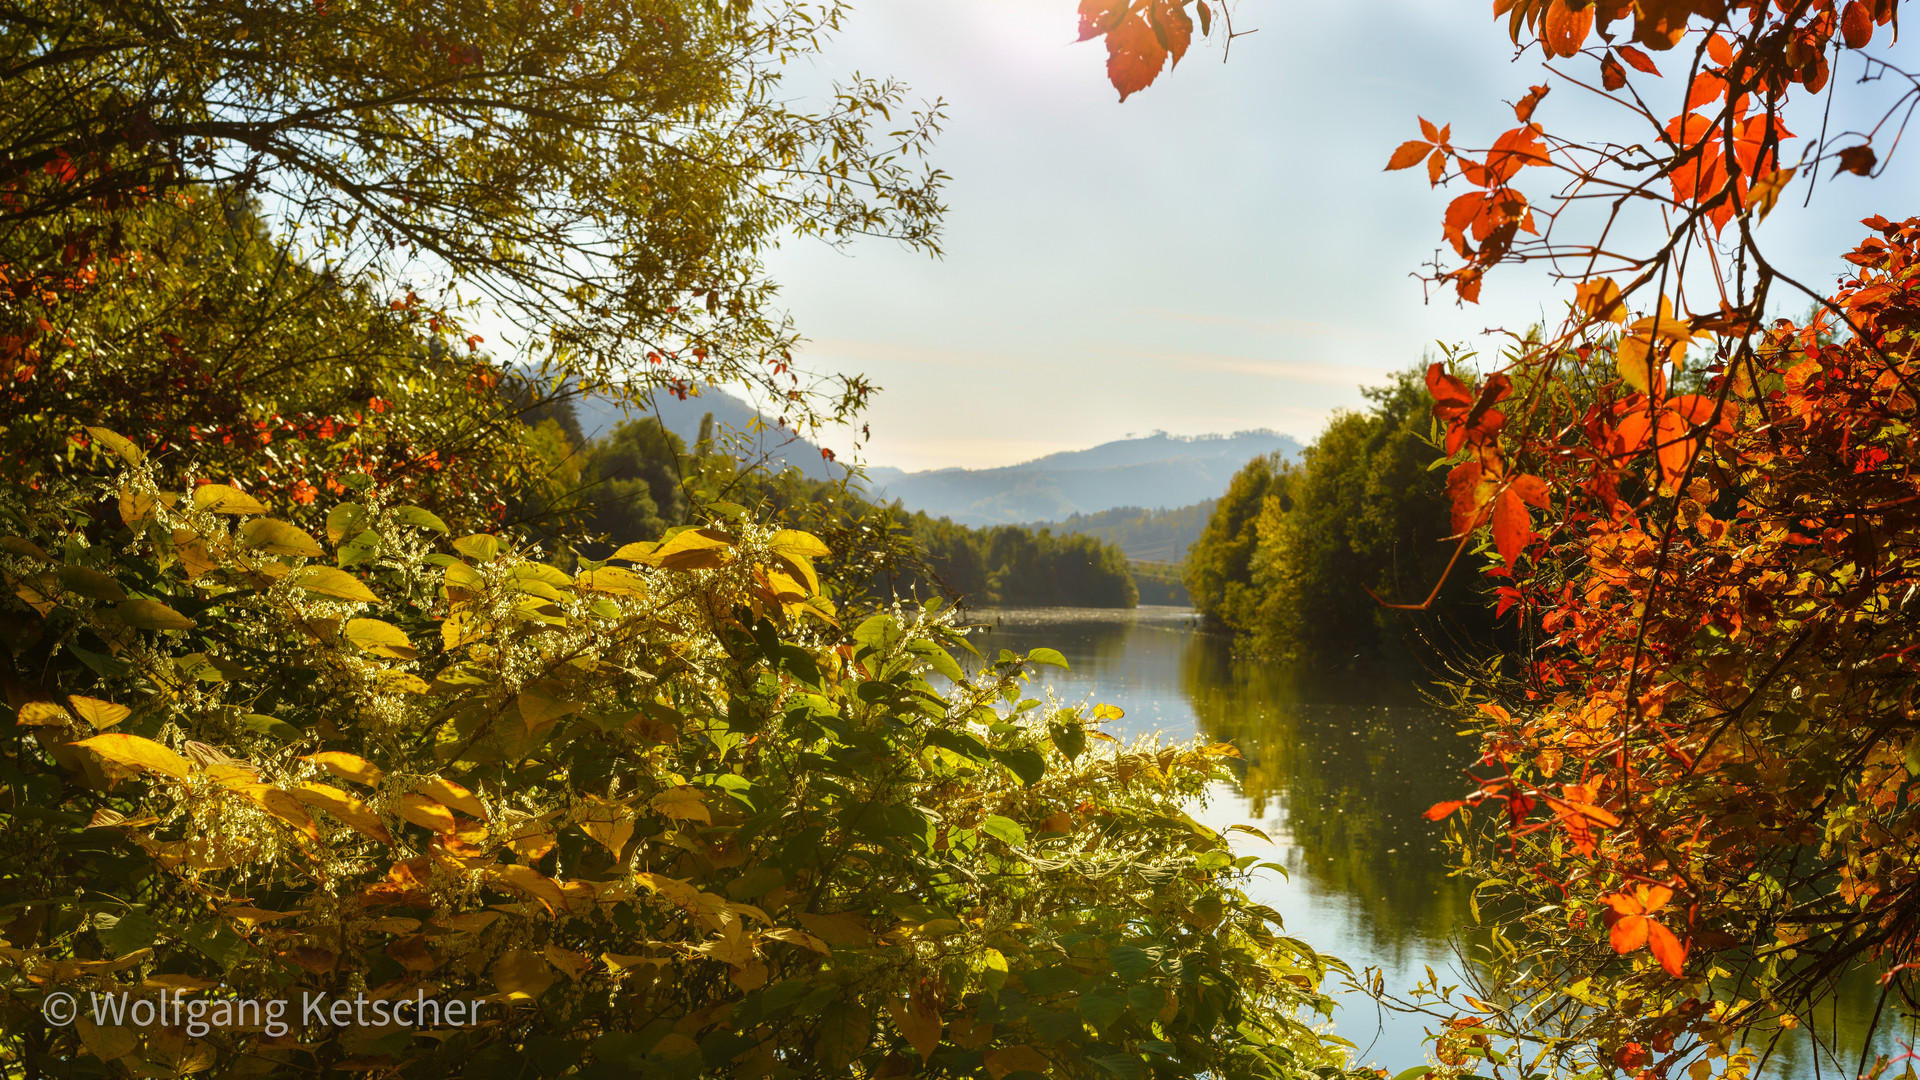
(1336, 771)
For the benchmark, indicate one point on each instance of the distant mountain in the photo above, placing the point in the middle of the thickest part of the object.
(1156, 472)
(771, 443)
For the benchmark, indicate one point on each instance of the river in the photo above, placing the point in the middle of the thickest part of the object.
(1336, 769)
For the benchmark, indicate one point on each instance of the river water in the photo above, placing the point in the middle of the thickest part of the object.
(1336, 769)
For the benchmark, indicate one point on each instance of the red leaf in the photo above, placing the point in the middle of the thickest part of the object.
(1707, 87)
(1533, 491)
(1612, 75)
(1858, 160)
(1432, 133)
(1134, 56)
(1172, 27)
(1666, 948)
(1442, 809)
(1468, 488)
(1524, 110)
(1718, 50)
(1640, 61)
(1856, 25)
(1411, 153)
(1099, 16)
(1564, 30)
(1512, 528)
(1436, 167)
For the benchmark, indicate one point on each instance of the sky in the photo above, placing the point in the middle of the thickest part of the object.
(1220, 252)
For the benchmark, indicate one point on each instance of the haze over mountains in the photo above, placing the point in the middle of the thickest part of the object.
(1159, 471)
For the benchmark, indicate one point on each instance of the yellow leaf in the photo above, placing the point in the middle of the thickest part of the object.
(1016, 1059)
(136, 752)
(694, 549)
(1767, 189)
(452, 794)
(278, 803)
(479, 547)
(42, 714)
(399, 682)
(620, 962)
(1633, 358)
(121, 446)
(612, 580)
(471, 922)
(347, 766)
(222, 499)
(352, 813)
(381, 639)
(327, 581)
(178, 982)
(1600, 298)
(424, 812)
(101, 714)
(683, 803)
(795, 542)
(152, 615)
(637, 552)
(530, 882)
(521, 975)
(278, 538)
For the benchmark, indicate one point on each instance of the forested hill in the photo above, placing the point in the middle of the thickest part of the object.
(1158, 471)
(1150, 536)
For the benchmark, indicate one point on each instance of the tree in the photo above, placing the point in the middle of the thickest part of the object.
(1701, 780)
(602, 175)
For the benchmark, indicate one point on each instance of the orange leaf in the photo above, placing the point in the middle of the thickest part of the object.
(1172, 27)
(1666, 948)
(1432, 133)
(1856, 25)
(1443, 809)
(1612, 75)
(1639, 60)
(1099, 16)
(1564, 29)
(425, 812)
(1411, 153)
(1628, 933)
(1134, 56)
(1436, 167)
(1512, 528)
(1524, 110)
(1707, 87)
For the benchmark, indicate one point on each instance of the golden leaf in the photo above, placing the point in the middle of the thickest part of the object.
(612, 580)
(381, 639)
(683, 803)
(327, 581)
(570, 964)
(351, 811)
(452, 794)
(224, 499)
(541, 706)
(279, 538)
(101, 714)
(347, 766)
(138, 753)
(424, 812)
(530, 882)
(42, 714)
(121, 447)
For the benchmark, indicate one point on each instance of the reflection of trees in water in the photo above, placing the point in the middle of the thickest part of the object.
(1348, 764)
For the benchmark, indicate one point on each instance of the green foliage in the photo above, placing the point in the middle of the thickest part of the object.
(664, 818)
(1014, 566)
(1292, 547)
(634, 472)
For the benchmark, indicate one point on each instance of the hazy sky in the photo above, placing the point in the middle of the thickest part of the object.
(1220, 252)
